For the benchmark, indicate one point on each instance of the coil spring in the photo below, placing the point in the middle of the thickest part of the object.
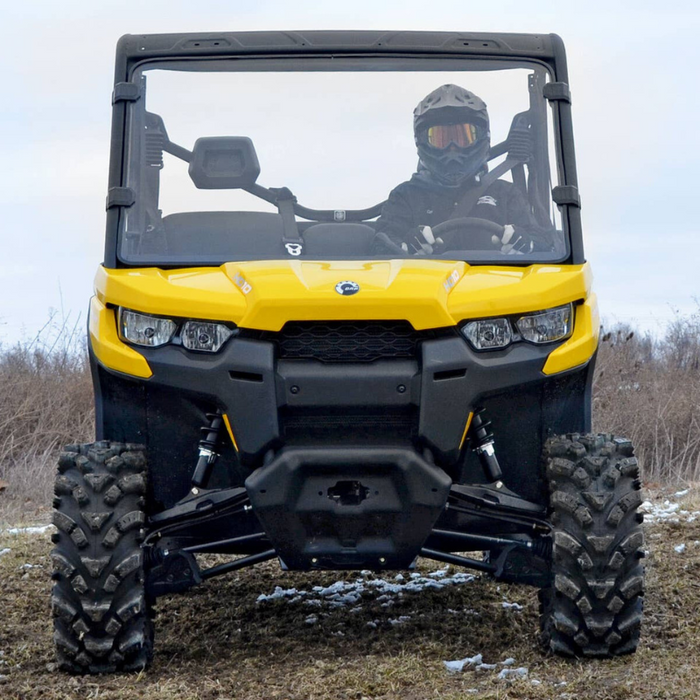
(480, 431)
(542, 547)
(207, 443)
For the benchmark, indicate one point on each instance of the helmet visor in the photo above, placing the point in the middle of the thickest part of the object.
(461, 135)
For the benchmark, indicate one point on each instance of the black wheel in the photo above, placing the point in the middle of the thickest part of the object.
(101, 615)
(594, 606)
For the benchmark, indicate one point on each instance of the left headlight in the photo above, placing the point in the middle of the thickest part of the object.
(541, 327)
(154, 331)
(547, 326)
(489, 334)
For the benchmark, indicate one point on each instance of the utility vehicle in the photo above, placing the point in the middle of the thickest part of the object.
(269, 386)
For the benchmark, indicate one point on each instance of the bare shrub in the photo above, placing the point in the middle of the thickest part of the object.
(46, 401)
(649, 390)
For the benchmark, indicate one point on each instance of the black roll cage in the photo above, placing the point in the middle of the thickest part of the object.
(132, 50)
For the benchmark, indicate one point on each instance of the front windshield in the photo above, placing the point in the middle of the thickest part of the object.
(341, 159)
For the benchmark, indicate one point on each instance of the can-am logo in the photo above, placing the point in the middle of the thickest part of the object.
(347, 288)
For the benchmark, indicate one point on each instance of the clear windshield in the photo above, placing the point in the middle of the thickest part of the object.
(211, 145)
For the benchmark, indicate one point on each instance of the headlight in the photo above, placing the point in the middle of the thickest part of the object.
(547, 326)
(489, 334)
(205, 335)
(141, 329)
(153, 331)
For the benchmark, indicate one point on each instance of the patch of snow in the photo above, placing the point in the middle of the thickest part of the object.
(400, 620)
(680, 548)
(511, 606)
(373, 625)
(33, 530)
(667, 512)
(684, 492)
(508, 662)
(458, 666)
(311, 620)
(7, 550)
(512, 673)
(440, 573)
(534, 681)
(399, 577)
(31, 566)
(279, 593)
(486, 667)
(350, 593)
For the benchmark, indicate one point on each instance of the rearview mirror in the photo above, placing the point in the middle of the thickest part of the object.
(224, 163)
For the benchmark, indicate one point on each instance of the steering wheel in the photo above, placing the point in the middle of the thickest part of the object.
(468, 233)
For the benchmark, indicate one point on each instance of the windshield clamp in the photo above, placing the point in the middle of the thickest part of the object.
(557, 91)
(120, 197)
(566, 194)
(126, 92)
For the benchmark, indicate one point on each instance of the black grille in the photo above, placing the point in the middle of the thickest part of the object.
(366, 426)
(346, 341)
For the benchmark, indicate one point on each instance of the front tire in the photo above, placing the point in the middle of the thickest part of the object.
(594, 605)
(101, 614)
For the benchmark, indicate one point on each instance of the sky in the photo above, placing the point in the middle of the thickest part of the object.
(634, 72)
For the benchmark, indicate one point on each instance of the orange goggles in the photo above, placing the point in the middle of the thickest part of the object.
(461, 135)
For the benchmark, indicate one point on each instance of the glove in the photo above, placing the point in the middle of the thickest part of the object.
(512, 243)
(425, 242)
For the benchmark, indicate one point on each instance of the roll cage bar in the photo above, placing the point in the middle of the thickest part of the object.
(132, 50)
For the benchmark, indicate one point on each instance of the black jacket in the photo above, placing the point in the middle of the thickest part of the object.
(420, 202)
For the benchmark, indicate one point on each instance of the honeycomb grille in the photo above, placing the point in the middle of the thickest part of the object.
(343, 341)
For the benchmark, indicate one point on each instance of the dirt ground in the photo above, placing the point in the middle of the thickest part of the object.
(220, 641)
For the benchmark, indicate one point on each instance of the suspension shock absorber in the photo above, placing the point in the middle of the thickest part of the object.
(207, 450)
(482, 441)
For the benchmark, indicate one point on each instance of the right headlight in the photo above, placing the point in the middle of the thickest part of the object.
(204, 336)
(154, 331)
(547, 326)
(143, 329)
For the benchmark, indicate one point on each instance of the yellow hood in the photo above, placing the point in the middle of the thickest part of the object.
(265, 295)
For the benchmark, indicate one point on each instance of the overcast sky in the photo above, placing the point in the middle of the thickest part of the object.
(634, 73)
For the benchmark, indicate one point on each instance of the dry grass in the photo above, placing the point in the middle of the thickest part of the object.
(648, 389)
(218, 642)
(46, 402)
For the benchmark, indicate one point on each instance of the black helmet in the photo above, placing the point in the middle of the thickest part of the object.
(459, 158)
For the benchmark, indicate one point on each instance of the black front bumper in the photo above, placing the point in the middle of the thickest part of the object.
(348, 508)
(409, 404)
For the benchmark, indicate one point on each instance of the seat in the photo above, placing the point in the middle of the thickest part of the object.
(222, 234)
(339, 240)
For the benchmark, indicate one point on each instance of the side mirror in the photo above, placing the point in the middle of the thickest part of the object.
(223, 163)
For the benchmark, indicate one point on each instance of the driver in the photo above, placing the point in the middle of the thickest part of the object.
(451, 127)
